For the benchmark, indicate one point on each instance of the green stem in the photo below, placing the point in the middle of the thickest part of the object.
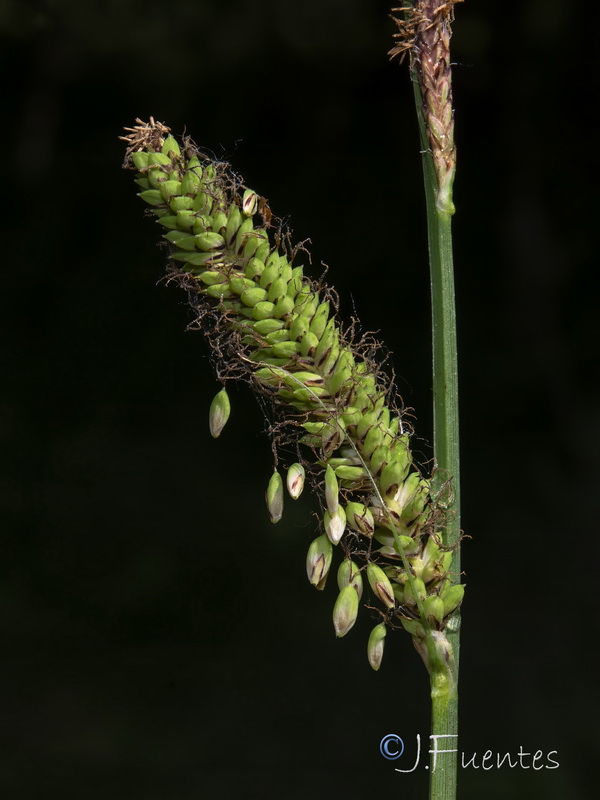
(446, 444)
(442, 769)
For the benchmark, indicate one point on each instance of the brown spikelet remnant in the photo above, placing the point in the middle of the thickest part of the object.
(424, 32)
(144, 134)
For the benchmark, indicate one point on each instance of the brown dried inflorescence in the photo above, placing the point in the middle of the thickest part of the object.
(424, 33)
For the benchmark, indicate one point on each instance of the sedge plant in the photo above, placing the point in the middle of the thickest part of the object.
(386, 526)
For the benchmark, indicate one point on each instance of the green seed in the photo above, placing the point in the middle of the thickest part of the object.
(349, 575)
(318, 560)
(171, 147)
(169, 221)
(158, 158)
(295, 480)
(180, 239)
(209, 241)
(240, 285)
(220, 410)
(152, 196)
(375, 646)
(170, 189)
(266, 326)
(251, 297)
(284, 305)
(140, 160)
(345, 611)
(263, 310)
(278, 289)
(274, 497)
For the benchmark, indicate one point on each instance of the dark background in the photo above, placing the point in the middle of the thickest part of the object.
(159, 637)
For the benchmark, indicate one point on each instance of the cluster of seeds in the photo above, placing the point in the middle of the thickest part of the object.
(269, 324)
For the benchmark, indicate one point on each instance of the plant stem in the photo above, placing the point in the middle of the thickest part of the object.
(442, 769)
(446, 441)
